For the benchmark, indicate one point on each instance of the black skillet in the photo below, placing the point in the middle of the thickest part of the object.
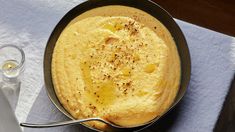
(145, 5)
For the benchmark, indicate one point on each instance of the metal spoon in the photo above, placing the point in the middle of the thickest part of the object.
(71, 122)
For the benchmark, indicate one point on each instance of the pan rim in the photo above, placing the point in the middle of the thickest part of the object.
(96, 3)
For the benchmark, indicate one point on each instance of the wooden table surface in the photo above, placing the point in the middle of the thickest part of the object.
(217, 15)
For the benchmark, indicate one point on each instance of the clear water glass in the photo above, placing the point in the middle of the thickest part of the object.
(12, 59)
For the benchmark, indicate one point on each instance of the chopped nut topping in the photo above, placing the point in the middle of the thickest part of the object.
(110, 40)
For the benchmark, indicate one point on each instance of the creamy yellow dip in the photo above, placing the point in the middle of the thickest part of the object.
(118, 63)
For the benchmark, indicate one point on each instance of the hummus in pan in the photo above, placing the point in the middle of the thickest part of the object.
(118, 63)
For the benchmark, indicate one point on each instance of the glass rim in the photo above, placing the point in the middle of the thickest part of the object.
(20, 65)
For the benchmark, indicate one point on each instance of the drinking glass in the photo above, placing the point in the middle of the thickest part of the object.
(12, 60)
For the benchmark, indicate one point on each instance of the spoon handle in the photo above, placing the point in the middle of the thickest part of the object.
(56, 124)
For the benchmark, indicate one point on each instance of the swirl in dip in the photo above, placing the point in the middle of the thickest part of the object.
(118, 63)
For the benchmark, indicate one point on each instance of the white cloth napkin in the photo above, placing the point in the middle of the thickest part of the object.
(28, 24)
(8, 122)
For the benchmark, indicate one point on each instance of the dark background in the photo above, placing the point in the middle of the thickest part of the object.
(218, 15)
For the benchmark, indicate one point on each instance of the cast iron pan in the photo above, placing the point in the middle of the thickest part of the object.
(145, 5)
